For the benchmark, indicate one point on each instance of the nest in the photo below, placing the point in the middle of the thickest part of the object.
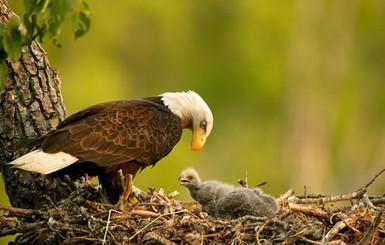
(161, 219)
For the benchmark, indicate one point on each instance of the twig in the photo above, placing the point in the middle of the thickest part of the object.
(157, 238)
(374, 178)
(98, 206)
(366, 200)
(377, 200)
(160, 216)
(360, 193)
(69, 182)
(336, 242)
(252, 218)
(259, 229)
(261, 184)
(21, 228)
(344, 197)
(372, 229)
(243, 182)
(285, 196)
(309, 210)
(310, 241)
(339, 226)
(246, 180)
(80, 240)
(108, 224)
(144, 213)
(26, 213)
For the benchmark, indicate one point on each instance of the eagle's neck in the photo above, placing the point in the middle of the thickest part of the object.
(181, 104)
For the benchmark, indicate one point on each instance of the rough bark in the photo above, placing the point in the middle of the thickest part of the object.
(30, 105)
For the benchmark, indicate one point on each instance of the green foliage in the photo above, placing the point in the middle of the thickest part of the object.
(41, 17)
(47, 17)
(80, 21)
(12, 38)
(32, 8)
(55, 15)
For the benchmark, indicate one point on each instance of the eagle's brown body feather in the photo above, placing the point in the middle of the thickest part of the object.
(128, 135)
(117, 132)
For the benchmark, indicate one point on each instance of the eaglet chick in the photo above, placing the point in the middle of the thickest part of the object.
(206, 193)
(227, 201)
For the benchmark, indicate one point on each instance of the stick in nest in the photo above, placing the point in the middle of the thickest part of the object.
(366, 240)
(157, 238)
(326, 199)
(284, 197)
(309, 210)
(359, 194)
(244, 182)
(107, 225)
(154, 220)
(339, 226)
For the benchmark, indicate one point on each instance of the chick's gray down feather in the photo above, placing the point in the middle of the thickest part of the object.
(245, 201)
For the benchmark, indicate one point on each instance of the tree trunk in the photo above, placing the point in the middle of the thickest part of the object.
(30, 106)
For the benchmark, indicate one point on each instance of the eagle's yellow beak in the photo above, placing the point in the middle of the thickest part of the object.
(199, 138)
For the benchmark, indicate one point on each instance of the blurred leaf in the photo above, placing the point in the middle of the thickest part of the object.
(13, 22)
(12, 38)
(30, 24)
(56, 14)
(33, 7)
(81, 23)
(3, 54)
(12, 45)
(2, 27)
(3, 73)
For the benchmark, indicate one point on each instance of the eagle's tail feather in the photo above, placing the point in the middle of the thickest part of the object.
(44, 163)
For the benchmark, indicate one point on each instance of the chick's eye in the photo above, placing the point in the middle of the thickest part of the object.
(203, 125)
(189, 177)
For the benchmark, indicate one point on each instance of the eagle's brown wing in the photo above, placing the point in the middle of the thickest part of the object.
(117, 132)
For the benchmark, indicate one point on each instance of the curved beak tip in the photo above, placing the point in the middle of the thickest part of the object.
(197, 145)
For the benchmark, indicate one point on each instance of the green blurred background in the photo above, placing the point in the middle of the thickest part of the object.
(297, 88)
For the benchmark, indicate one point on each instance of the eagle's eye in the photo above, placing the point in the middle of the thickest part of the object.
(203, 125)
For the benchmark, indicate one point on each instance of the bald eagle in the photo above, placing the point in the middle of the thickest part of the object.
(127, 134)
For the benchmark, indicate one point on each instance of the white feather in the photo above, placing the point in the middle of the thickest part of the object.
(44, 163)
(189, 106)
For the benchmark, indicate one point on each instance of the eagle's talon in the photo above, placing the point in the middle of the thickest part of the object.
(126, 199)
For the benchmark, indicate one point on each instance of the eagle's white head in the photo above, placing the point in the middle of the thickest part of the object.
(194, 112)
